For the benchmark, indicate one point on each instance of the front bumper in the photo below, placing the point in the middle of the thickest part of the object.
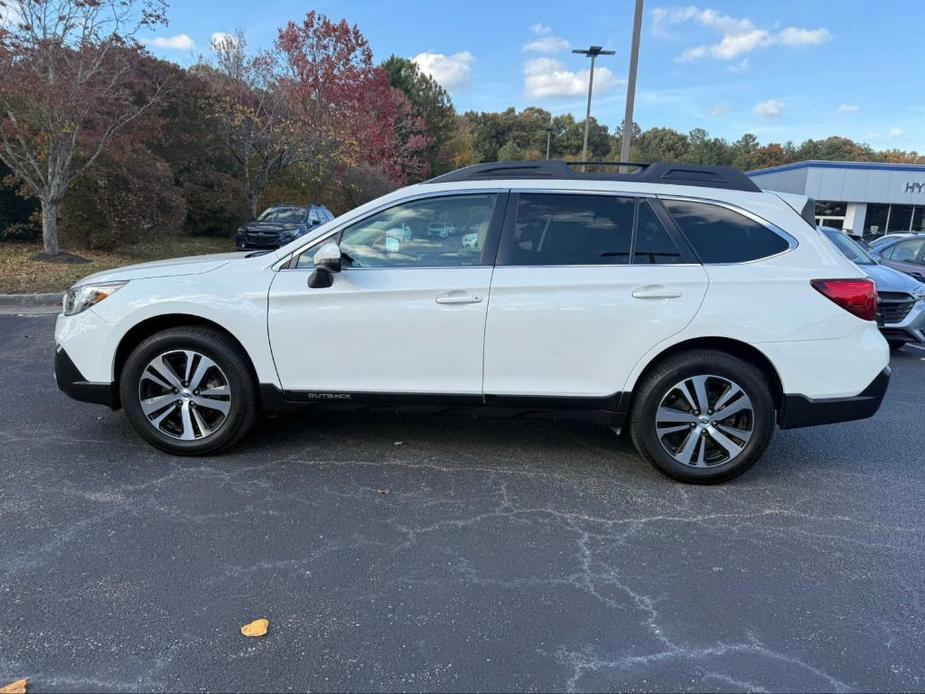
(911, 328)
(73, 384)
(801, 411)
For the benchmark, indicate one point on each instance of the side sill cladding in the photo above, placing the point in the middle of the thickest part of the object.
(608, 411)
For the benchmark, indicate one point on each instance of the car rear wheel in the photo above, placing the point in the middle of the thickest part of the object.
(189, 391)
(703, 417)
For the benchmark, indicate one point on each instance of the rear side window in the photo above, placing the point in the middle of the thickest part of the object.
(905, 251)
(719, 235)
(653, 244)
(551, 229)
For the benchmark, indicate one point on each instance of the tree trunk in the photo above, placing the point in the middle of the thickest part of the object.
(50, 227)
(253, 199)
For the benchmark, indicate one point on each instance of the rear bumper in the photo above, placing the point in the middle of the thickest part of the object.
(73, 384)
(801, 411)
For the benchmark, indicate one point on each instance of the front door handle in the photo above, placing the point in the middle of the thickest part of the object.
(458, 297)
(656, 291)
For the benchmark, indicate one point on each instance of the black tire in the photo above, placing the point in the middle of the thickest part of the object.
(660, 380)
(234, 365)
(896, 344)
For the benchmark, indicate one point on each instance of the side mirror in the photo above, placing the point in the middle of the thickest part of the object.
(327, 262)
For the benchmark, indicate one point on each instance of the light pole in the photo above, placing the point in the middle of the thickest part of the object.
(631, 86)
(549, 131)
(592, 53)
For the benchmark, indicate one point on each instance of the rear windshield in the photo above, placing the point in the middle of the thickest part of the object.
(848, 247)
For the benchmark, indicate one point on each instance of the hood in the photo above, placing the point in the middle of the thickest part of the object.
(889, 280)
(174, 267)
(272, 226)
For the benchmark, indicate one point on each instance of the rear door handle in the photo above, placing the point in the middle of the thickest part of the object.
(656, 291)
(458, 297)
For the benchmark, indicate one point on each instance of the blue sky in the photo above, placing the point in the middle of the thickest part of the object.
(784, 70)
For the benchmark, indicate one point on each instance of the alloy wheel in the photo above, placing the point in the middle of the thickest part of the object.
(185, 395)
(705, 421)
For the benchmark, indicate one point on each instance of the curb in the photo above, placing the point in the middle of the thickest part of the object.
(50, 299)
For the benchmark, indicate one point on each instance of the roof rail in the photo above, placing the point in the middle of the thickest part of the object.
(672, 173)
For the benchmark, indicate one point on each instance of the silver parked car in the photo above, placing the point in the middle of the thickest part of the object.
(901, 298)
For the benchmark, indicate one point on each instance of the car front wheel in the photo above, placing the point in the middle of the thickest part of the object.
(189, 391)
(703, 417)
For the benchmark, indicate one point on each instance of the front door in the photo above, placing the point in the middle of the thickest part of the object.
(586, 285)
(407, 312)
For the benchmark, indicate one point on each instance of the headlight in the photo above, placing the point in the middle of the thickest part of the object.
(79, 299)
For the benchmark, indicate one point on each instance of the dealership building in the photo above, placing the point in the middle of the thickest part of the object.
(860, 197)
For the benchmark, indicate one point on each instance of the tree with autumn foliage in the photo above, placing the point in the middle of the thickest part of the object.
(345, 105)
(71, 79)
(253, 114)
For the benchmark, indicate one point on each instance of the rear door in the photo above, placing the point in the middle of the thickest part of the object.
(585, 285)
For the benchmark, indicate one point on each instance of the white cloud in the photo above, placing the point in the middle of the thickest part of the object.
(450, 71)
(848, 108)
(896, 132)
(548, 77)
(220, 38)
(738, 35)
(180, 42)
(794, 36)
(740, 66)
(8, 15)
(720, 109)
(771, 108)
(547, 44)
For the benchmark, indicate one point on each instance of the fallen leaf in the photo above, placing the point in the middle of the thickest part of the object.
(383, 491)
(256, 628)
(398, 443)
(17, 687)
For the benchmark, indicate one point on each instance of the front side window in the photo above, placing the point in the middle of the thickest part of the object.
(433, 232)
(720, 235)
(553, 229)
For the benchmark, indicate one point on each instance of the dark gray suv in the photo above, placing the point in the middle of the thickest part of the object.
(280, 224)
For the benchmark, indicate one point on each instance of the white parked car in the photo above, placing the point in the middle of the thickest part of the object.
(680, 302)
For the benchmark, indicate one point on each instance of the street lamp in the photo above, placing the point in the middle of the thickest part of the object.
(631, 86)
(549, 131)
(592, 53)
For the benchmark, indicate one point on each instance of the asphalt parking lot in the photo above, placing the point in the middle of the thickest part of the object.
(434, 553)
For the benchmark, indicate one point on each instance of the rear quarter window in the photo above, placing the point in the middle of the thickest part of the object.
(720, 235)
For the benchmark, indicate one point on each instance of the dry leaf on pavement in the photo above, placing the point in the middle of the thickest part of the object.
(17, 687)
(256, 628)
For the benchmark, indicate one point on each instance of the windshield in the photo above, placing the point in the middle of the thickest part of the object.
(848, 247)
(283, 215)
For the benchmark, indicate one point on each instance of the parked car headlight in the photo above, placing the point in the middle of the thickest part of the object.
(80, 298)
(920, 294)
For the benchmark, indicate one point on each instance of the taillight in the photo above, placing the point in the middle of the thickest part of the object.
(857, 296)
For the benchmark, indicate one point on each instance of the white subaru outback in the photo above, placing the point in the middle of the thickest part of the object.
(680, 302)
